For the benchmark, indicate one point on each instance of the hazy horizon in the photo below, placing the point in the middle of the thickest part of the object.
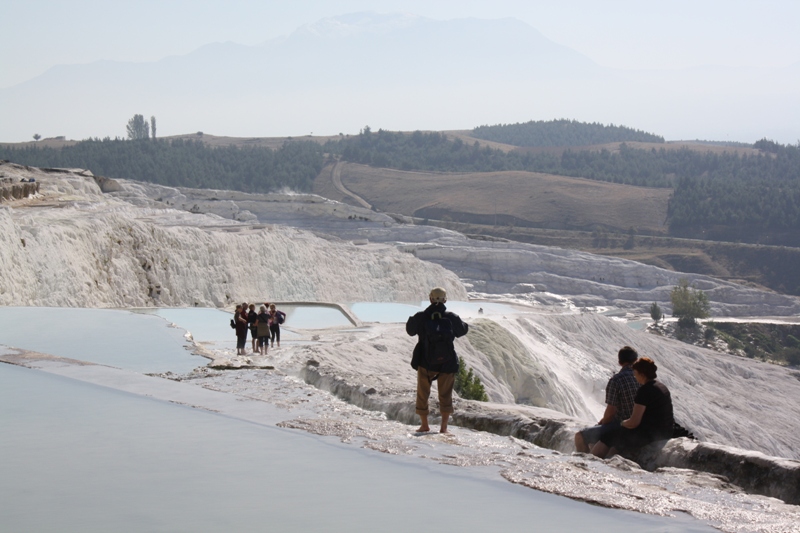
(712, 39)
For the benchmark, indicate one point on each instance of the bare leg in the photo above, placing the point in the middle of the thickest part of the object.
(445, 418)
(600, 450)
(423, 426)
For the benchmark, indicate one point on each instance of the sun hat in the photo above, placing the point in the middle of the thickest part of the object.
(438, 295)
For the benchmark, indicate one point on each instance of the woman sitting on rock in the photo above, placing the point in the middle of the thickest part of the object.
(651, 419)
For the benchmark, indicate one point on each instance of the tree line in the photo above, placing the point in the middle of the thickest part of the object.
(722, 196)
(561, 133)
(183, 163)
(746, 194)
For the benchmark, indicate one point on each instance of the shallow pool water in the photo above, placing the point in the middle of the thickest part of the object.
(85, 458)
(480, 307)
(384, 312)
(638, 325)
(123, 339)
(314, 317)
(399, 312)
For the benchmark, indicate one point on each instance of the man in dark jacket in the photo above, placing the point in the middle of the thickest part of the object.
(435, 356)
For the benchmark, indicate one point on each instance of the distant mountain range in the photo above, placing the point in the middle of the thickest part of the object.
(400, 72)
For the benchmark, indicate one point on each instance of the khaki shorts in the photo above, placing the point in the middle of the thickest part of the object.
(444, 384)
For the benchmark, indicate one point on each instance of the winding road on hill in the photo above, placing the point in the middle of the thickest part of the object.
(336, 178)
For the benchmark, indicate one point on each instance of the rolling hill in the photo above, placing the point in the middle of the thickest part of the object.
(505, 198)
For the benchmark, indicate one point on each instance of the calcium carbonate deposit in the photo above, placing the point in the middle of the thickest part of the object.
(545, 362)
(73, 246)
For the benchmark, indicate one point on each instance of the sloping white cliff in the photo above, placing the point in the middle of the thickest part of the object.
(73, 246)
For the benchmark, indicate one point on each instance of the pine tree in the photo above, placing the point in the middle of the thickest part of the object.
(138, 128)
(655, 312)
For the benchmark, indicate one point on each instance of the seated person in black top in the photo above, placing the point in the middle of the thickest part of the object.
(651, 419)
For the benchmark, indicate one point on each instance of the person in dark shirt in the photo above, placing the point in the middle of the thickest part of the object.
(263, 321)
(276, 319)
(651, 419)
(240, 320)
(620, 392)
(252, 317)
(444, 373)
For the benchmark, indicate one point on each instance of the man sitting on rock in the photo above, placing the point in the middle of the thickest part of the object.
(620, 392)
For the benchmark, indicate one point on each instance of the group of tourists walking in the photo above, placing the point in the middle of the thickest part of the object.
(264, 327)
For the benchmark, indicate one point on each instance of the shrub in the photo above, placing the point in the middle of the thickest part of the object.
(468, 385)
(688, 304)
(792, 356)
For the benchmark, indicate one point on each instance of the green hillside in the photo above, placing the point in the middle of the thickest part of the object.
(561, 133)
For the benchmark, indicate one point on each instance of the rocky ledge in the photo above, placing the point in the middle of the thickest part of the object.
(753, 472)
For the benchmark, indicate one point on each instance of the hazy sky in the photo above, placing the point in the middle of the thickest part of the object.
(39, 34)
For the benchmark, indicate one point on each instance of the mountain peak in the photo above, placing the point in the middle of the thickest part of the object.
(364, 22)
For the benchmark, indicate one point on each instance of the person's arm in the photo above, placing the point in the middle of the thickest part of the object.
(411, 325)
(460, 328)
(608, 415)
(636, 417)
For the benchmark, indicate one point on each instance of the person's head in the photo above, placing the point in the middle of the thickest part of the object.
(238, 307)
(644, 370)
(262, 309)
(438, 296)
(244, 306)
(272, 307)
(627, 355)
(252, 307)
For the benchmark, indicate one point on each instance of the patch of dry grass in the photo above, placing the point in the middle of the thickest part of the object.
(516, 197)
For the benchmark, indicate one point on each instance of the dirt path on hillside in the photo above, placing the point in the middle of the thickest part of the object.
(336, 178)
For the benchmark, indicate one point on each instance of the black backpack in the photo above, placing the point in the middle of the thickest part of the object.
(438, 340)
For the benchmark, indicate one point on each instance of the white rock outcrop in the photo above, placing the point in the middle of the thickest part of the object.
(73, 246)
(517, 270)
